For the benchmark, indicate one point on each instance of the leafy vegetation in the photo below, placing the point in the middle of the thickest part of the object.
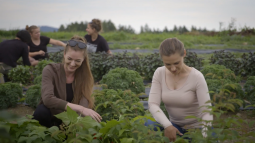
(39, 67)
(193, 60)
(219, 72)
(149, 64)
(9, 94)
(112, 104)
(249, 88)
(38, 79)
(20, 74)
(81, 129)
(124, 79)
(228, 60)
(56, 57)
(33, 95)
(249, 64)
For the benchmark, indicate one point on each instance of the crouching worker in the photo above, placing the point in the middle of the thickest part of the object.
(12, 50)
(181, 88)
(67, 84)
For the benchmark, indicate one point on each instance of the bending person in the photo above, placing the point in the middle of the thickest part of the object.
(67, 84)
(38, 45)
(12, 50)
(96, 42)
(181, 88)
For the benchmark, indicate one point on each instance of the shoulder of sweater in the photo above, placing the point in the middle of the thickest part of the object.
(54, 67)
(197, 76)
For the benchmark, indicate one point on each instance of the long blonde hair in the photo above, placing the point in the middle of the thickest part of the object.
(84, 81)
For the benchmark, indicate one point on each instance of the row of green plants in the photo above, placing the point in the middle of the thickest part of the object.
(120, 129)
(223, 84)
(102, 63)
(122, 107)
(244, 66)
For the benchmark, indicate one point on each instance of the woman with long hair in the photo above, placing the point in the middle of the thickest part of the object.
(69, 83)
(181, 88)
(96, 42)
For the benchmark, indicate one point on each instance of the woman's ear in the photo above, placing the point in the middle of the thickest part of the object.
(184, 55)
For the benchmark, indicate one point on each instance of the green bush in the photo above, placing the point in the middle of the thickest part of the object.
(56, 57)
(248, 64)
(219, 72)
(102, 63)
(193, 60)
(249, 88)
(214, 85)
(38, 79)
(20, 74)
(149, 64)
(9, 94)
(226, 59)
(124, 79)
(39, 67)
(111, 104)
(33, 95)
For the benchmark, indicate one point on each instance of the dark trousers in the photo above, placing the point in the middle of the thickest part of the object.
(44, 116)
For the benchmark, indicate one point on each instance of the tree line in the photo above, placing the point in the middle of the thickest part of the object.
(109, 26)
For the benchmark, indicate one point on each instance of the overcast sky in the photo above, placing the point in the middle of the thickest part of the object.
(156, 13)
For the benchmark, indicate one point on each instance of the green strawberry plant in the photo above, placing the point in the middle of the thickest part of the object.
(111, 104)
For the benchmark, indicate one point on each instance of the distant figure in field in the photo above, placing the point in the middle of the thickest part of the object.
(96, 42)
(12, 50)
(38, 45)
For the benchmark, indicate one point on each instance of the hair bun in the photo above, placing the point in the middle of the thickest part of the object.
(27, 27)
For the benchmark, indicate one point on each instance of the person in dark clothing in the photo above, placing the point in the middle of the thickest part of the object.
(38, 44)
(63, 85)
(12, 50)
(96, 42)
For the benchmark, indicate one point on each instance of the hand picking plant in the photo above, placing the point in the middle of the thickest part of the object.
(9, 94)
(20, 74)
(124, 79)
(112, 104)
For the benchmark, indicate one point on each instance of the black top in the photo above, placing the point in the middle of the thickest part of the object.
(69, 92)
(99, 45)
(44, 41)
(12, 50)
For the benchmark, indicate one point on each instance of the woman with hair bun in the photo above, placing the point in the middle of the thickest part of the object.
(38, 45)
(96, 42)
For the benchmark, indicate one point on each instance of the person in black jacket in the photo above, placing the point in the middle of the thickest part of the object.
(12, 50)
(96, 42)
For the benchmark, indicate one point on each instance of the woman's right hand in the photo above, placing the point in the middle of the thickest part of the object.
(42, 53)
(170, 133)
(91, 113)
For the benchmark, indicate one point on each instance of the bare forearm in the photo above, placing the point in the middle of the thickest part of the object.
(32, 54)
(75, 107)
